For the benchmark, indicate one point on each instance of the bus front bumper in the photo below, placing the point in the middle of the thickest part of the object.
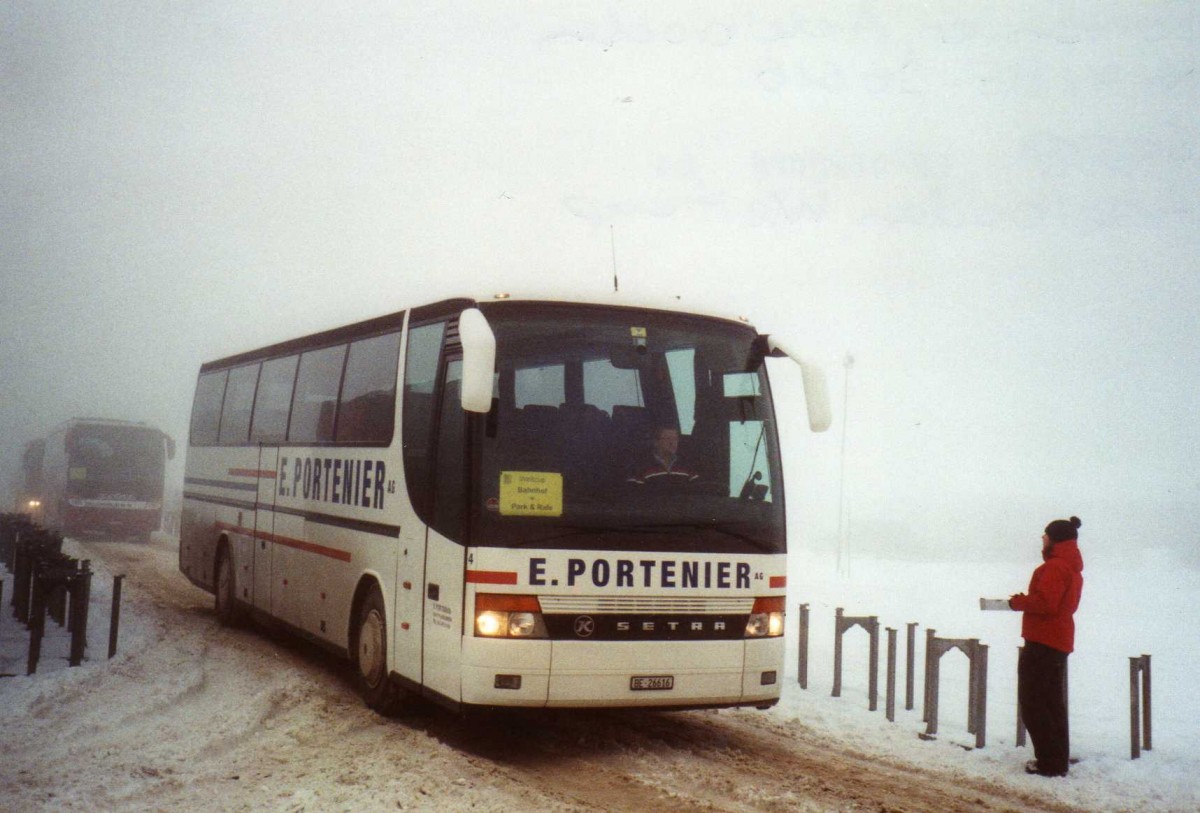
(114, 520)
(597, 674)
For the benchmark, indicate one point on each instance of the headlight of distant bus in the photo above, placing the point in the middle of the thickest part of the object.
(500, 615)
(34, 504)
(766, 619)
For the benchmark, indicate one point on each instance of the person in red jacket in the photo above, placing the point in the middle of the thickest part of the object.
(1048, 627)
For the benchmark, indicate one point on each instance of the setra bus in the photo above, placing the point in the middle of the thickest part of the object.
(99, 476)
(464, 499)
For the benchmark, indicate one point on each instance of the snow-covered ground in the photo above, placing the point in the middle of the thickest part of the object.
(106, 720)
(1145, 604)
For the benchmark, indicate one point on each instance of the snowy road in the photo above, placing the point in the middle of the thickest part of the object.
(192, 716)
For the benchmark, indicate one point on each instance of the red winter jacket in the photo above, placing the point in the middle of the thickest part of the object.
(1053, 597)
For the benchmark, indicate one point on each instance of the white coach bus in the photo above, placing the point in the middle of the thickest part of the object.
(476, 502)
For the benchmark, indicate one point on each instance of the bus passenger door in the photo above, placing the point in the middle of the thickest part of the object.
(445, 553)
(264, 524)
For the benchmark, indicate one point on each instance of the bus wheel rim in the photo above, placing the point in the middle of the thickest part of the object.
(370, 649)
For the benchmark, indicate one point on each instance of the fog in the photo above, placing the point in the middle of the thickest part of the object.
(993, 210)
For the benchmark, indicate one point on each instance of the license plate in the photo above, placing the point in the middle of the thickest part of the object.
(651, 683)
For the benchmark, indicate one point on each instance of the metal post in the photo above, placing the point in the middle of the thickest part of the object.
(928, 668)
(891, 675)
(932, 678)
(837, 653)
(115, 622)
(911, 655)
(979, 669)
(22, 580)
(1139, 728)
(972, 685)
(1146, 703)
(37, 594)
(57, 604)
(1020, 719)
(803, 667)
(1135, 720)
(873, 678)
(37, 628)
(81, 596)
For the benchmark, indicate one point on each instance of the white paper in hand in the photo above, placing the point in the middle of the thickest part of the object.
(994, 604)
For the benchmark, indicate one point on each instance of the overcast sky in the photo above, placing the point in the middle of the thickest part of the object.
(994, 211)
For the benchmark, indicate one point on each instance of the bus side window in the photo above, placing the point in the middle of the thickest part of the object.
(420, 376)
(206, 409)
(367, 406)
(239, 401)
(315, 398)
(274, 397)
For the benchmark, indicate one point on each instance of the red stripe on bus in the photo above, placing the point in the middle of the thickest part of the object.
(289, 542)
(491, 577)
(262, 474)
(310, 547)
(778, 581)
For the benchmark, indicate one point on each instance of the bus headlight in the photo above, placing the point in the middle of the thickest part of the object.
(524, 625)
(491, 624)
(500, 615)
(766, 619)
(33, 504)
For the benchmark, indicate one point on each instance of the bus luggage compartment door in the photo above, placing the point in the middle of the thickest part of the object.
(264, 525)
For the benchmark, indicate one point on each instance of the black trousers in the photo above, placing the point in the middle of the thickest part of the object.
(1042, 694)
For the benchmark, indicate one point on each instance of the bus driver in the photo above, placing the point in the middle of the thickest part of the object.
(662, 469)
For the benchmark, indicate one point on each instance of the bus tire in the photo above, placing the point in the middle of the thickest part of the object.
(229, 614)
(376, 686)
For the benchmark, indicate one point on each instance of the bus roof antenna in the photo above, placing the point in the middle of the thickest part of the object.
(613, 240)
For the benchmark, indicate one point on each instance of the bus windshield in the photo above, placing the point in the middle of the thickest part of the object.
(124, 461)
(623, 428)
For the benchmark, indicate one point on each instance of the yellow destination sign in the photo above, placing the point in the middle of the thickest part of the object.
(531, 494)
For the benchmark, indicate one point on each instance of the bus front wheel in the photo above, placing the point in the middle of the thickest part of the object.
(370, 657)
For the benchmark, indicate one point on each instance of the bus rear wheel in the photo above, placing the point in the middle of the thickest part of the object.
(375, 684)
(229, 614)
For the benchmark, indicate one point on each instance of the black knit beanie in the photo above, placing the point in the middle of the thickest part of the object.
(1063, 529)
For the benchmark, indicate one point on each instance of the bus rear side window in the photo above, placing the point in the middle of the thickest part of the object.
(206, 409)
(273, 400)
(239, 402)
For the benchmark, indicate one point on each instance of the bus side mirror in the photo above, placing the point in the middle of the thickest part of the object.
(816, 392)
(479, 360)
